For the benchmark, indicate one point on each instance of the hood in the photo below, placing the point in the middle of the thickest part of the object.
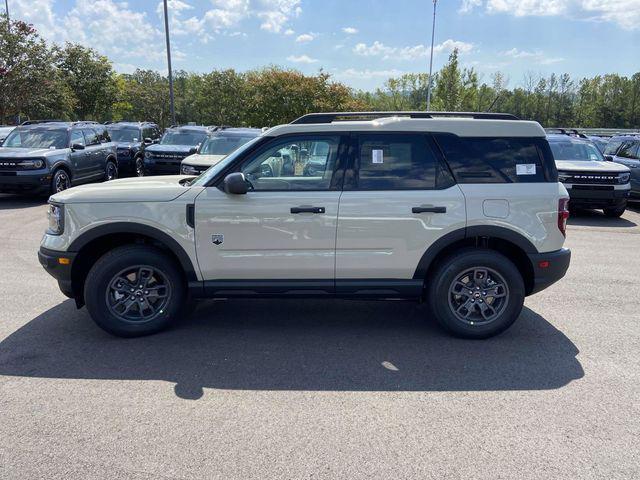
(590, 166)
(12, 153)
(122, 145)
(143, 189)
(170, 148)
(202, 160)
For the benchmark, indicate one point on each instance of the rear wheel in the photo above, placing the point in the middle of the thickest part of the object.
(615, 212)
(476, 293)
(110, 171)
(135, 290)
(60, 181)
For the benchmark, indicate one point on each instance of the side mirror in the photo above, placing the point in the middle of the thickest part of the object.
(148, 141)
(236, 184)
(77, 146)
(608, 158)
(193, 150)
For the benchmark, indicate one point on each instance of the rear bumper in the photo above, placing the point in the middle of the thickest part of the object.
(591, 196)
(548, 268)
(50, 261)
(25, 181)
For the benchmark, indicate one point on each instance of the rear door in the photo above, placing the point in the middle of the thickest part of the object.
(281, 232)
(398, 199)
(629, 155)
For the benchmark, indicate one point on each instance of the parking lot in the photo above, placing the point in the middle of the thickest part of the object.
(316, 389)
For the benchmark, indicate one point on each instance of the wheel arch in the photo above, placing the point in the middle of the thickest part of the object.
(503, 240)
(94, 243)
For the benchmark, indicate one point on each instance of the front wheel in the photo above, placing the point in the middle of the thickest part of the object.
(110, 171)
(60, 181)
(476, 293)
(615, 212)
(135, 290)
(140, 167)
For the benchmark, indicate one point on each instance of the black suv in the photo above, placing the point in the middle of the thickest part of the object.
(176, 143)
(132, 139)
(48, 156)
(625, 149)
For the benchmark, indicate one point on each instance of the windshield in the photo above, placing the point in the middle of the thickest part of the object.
(222, 145)
(581, 151)
(206, 176)
(37, 138)
(612, 147)
(178, 137)
(124, 135)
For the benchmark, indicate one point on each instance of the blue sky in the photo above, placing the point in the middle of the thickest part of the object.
(360, 42)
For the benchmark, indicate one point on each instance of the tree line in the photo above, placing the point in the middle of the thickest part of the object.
(41, 80)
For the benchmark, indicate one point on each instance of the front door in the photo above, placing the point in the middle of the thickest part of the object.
(281, 235)
(79, 158)
(96, 153)
(398, 200)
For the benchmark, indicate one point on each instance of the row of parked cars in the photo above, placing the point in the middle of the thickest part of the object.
(50, 156)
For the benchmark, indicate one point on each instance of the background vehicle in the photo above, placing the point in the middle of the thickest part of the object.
(465, 212)
(165, 157)
(592, 182)
(626, 151)
(4, 132)
(600, 142)
(51, 156)
(217, 146)
(131, 139)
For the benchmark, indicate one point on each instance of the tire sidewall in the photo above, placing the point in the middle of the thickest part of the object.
(114, 262)
(106, 171)
(454, 266)
(56, 174)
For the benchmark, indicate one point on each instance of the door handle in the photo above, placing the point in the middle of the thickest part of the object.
(296, 210)
(429, 209)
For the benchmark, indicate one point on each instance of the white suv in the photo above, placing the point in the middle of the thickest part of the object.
(464, 211)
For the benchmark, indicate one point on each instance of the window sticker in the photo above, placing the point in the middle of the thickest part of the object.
(526, 169)
(593, 156)
(377, 156)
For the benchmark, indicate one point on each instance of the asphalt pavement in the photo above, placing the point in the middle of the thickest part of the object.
(305, 389)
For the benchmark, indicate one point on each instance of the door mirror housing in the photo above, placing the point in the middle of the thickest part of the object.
(193, 150)
(77, 146)
(608, 158)
(148, 141)
(236, 184)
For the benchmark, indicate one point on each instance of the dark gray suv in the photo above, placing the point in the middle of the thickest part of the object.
(50, 156)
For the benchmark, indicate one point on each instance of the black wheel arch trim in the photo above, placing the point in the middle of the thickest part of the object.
(138, 229)
(490, 231)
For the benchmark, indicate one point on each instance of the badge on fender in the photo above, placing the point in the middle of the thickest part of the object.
(217, 239)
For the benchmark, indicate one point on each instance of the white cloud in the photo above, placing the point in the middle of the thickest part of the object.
(305, 38)
(275, 14)
(350, 30)
(625, 13)
(289, 32)
(379, 49)
(352, 73)
(302, 59)
(536, 56)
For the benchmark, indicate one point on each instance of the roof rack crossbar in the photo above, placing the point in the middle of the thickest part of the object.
(338, 116)
(35, 122)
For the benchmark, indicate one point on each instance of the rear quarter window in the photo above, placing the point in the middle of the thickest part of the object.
(497, 160)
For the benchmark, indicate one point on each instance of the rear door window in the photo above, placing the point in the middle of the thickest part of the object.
(395, 162)
(493, 160)
(91, 136)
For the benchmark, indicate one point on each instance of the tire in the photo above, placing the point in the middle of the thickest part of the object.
(448, 291)
(60, 181)
(615, 212)
(107, 301)
(110, 171)
(138, 167)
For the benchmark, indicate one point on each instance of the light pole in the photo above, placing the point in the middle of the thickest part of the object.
(433, 36)
(166, 31)
(6, 8)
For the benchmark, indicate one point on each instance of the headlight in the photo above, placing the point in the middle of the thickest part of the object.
(624, 178)
(56, 219)
(189, 170)
(31, 164)
(147, 154)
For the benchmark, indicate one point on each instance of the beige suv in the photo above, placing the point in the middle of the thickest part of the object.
(463, 211)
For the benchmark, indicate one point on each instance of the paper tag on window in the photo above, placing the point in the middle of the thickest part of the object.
(377, 156)
(526, 169)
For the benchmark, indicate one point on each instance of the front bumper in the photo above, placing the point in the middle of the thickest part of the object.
(50, 260)
(548, 268)
(25, 181)
(597, 196)
(162, 167)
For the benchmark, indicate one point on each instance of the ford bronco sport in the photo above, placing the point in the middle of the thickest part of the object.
(464, 211)
(48, 156)
(592, 181)
(132, 139)
(164, 158)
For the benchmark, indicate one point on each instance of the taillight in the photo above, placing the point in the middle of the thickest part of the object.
(563, 215)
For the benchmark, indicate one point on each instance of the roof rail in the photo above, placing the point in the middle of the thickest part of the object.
(342, 116)
(571, 132)
(35, 122)
(83, 122)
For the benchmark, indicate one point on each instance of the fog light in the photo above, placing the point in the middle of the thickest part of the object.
(64, 261)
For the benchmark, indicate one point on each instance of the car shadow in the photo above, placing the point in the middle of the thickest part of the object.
(595, 218)
(15, 202)
(296, 345)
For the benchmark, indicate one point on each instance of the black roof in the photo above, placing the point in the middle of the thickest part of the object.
(126, 123)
